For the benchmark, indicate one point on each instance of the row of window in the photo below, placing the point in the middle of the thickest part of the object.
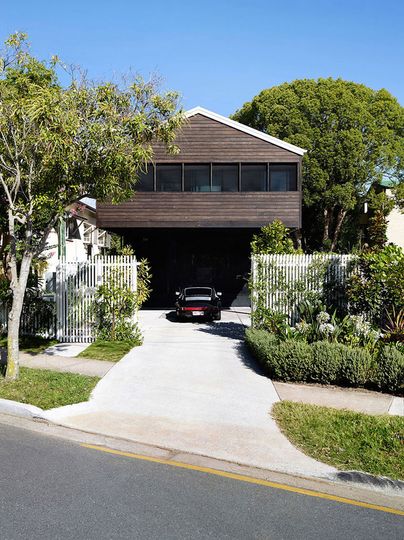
(217, 177)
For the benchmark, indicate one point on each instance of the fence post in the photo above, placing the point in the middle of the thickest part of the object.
(252, 289)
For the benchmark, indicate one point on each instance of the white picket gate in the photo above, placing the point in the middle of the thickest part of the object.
(76, 284)
(271, 276)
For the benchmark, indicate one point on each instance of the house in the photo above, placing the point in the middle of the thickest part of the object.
(395, 220)
(77, 236)
(194, 213)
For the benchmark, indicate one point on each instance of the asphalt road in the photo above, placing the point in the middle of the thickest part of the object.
(53, 489)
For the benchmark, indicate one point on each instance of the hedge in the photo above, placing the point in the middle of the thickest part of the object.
(292, 360)
(327, 363)
(390, 369)
(357, 367)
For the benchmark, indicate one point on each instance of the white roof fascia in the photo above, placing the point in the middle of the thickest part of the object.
(246, 129)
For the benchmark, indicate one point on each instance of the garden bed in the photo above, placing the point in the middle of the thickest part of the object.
(291, 360)
(345, 439)
(48, 389)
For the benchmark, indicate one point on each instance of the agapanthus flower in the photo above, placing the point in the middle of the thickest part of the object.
(323, 317)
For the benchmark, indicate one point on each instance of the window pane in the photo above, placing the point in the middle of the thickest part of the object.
(146, 180)
(283, 177)
(196, 178)
(253, 177)
(168, 177)
(72, 227)
(224, 177)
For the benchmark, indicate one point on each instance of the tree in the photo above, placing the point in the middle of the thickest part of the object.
(380, 205)
(60, 143)
(353, 135)
(273, 238)
(398, 193)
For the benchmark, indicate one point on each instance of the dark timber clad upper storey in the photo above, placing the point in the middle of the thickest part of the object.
(178, 210)
(205, 140)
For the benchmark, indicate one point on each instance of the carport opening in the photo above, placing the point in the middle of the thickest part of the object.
(218, 258)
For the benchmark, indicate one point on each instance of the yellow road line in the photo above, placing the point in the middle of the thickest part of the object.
(248, 479)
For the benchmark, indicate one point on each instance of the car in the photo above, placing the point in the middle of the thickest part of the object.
(198, 302)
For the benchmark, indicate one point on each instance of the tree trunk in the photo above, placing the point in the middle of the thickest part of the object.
(340, 218)
(4, 243)
(13, 333)
(327, 221)
(298, 238)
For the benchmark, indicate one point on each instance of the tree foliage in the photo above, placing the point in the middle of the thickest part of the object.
(60, 143)
(380, 205)
(353, 136)
(377, 286)
(273, 238)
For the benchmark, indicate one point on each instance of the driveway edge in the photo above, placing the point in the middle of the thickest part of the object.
(21, 410)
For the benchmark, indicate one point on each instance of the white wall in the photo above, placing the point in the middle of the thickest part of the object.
(395, 225)
(395, 228)
(76, 249)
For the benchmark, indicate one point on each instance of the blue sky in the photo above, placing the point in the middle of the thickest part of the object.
(219, 54)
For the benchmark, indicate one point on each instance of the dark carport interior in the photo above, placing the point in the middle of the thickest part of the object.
(203, 257)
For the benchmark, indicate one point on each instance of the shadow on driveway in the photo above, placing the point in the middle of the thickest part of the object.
(232, 330)
(225, 329)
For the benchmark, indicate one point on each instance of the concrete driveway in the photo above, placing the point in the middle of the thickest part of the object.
(192, 387)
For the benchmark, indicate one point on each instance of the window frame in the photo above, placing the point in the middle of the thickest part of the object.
(208, 165)
(252, 164)
(227, 164)
(283, 164)
(239, 165)
(181, 183)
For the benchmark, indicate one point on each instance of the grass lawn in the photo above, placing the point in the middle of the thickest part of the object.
(345, 439)
(31, 344)
(48, 389)
(107, 350)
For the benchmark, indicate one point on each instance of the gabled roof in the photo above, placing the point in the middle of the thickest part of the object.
(241, 127)
(389, 182)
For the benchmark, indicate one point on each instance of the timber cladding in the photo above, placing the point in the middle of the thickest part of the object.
(203, 140)
(187, 209)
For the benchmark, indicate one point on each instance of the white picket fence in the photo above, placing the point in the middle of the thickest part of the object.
(280, 282)
(3, 318)
(76, 284)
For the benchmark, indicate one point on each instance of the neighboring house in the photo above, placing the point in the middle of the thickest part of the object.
(395, 220)
(194, 213)
(77, 236)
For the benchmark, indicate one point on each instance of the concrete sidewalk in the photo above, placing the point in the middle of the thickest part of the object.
(352, 399)
(83, 366)
(192, 387)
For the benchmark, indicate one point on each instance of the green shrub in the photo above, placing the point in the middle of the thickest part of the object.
(273, 238)
(390, 369)
(292, 361)
(327, 361)
(357, 366)
(262, 344)
(376, 287)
